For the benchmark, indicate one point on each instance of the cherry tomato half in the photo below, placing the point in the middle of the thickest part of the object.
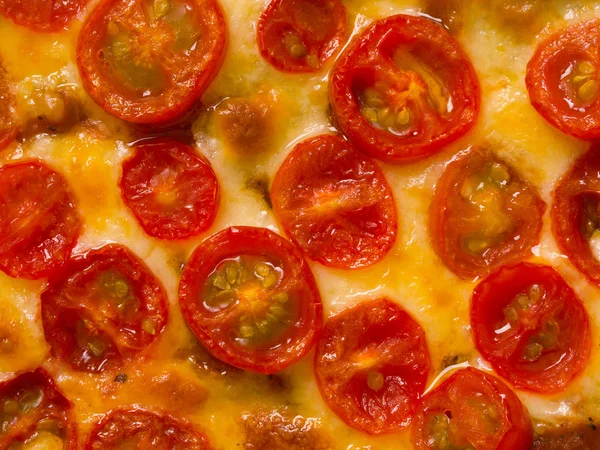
(531, 326)
(32, 411)
(576, 214)
(138, 428)
(8, 130)
(472, 410)
(372, 365)
(563, 79)
(39, 224)
(251, 299)
(483, 214)
(150, 61)
(404, 89)
(172, 191)
(335, 203)
(300, 35)
(42, 15)
(104, 307)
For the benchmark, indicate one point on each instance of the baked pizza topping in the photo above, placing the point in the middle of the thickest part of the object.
(102, 309)
(39, 224)
(372, 365)
(301, 35)
(472, 410)
(42, 15)
(251, 299)
(173, 192)
(404, 89)
(150, 61)
(335, 203)
(7, 125)
(34, 414)
(483, 215)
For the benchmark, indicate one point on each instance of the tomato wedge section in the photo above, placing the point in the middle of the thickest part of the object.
(576, 214)
(34, 412)
(532, 327)
(404, 89)
(39, 224)
(173, 192)
(103, 308)
(372, 365)
(301, 35)
(483, 214)
(563, 79)
(472, 410)
(42, 15)
(8, 131)
(251, 299)
(138, 428)
(335, 203)
(149, 61)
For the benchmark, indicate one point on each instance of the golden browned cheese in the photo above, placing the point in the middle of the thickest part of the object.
(583, 436)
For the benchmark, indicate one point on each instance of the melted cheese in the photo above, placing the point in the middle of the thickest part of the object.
(89, 155)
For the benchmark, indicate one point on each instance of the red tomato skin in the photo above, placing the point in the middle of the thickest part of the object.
(36, 250)
(232, 242)
(45, 16)
(490, 297)
(518, 433)
(106, 93)
(58, 314)
(323, 163)
(469, 266)
(384, 145)
(371, 323)
(61, 409)
(567, 212)
(130, 420)
(579, 41)
(201, 201)
(269, 33)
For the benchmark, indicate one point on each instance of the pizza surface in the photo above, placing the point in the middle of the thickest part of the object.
(299, 224)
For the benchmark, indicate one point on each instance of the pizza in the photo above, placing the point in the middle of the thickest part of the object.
(299, 224)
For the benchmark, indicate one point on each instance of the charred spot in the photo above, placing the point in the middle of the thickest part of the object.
(260, 186)
(571, 436)
(204, 361)
(453, 360)
(120, 378)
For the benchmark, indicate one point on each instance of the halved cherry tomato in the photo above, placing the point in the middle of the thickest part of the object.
(335, 203)
(472, 410)
(173, 192)
(42, 15)
(372, 365)
(104, 307)
(8, 130)
(576, 214)
(32, 410)
(483, 214)
(531, 326)
(137, 428)
(300, 35)
(39, 224)
(563, 79)
(150, 61)
(404, 89)
(251, 299)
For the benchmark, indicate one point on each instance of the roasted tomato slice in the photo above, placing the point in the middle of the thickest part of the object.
(138, 428)
(104, 307)
(576, 214)
(39, 224)
(404, 89)
(372, 365)
(335, 203)
(8, 130)
(563, 79)
(172, 191)
(251, 299)
(150, 61)
(472, 410)
(42, 15)
(531, 326)
(33, 412)
(483, 214)
(300, 35)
